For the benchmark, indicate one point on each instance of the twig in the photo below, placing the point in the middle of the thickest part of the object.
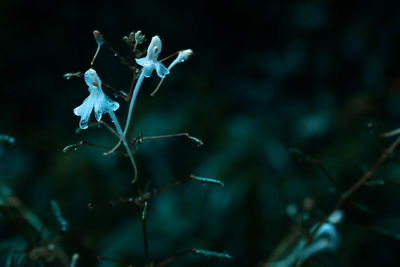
(390, 133)
(81, 143)
(168, 57)
(362, 181)
(368, 174)
(109, 128)
(195, 139)
(144, 197)
(78, 74)
(100, 123)
(353, 189)
(158, 87)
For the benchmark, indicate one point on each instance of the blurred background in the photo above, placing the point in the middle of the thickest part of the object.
(272, 84)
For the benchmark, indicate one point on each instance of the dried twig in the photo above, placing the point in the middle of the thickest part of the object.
(82, 143)
(144, 197)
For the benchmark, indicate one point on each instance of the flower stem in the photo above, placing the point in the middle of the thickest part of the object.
(132, 103)
(129, 118)
(95, 54)
(127, 147)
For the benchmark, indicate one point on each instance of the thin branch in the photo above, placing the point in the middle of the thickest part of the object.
(158, 87)
(168, 57)
(99, 123)
(156, 191)
(78, 74)
(144, 197)
(82, 143)
(204, 180)
(113, 149)
(368, 174)
(390, 133)
(109, 128)
(366, 177)
(140, 139)
(361, 182)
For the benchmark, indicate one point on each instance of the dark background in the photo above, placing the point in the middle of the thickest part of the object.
(266, 76)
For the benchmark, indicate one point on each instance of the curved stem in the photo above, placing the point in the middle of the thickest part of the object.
(133, 100)
(127, 147)
(129, 118)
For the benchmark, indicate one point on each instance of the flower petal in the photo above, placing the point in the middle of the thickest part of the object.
(141, 61)
(147, 71)
(103, 105)
(147, 65)
(161, 70)
(84, 111)
(154, 48)
(92, 79)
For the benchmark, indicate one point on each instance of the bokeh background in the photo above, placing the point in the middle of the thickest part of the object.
(267, 76)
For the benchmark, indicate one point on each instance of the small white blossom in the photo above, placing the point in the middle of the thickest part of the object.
(150, 62)
(96, 100)
(182, 57)
(326, 238)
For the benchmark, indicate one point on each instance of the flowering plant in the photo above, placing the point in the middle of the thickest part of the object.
(96, 100)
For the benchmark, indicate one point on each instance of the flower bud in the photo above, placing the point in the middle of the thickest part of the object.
(98, 36)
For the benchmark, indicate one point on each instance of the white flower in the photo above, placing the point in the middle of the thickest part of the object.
(326, 238)
(97, 100)
(182, 57)
(150, 62)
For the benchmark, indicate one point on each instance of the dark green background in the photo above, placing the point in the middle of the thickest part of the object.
(267, 76)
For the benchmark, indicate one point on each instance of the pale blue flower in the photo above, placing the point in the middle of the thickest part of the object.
(96, 100)
(150, 62)
(326, 238)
